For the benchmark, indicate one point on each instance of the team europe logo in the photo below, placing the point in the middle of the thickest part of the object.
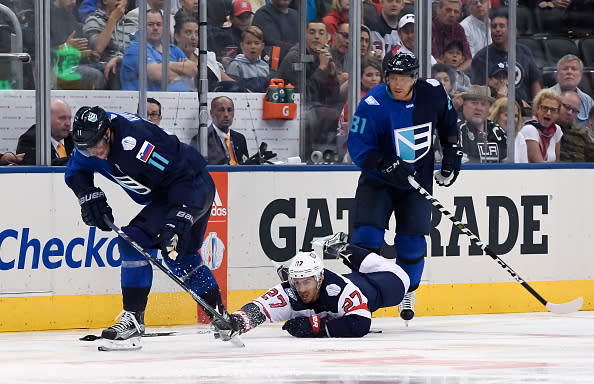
(413, 143)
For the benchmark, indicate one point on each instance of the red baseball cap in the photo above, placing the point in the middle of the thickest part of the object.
(241, 6)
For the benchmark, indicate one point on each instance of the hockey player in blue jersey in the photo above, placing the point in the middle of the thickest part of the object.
(158, 171)
(390, 139)
(316, 302)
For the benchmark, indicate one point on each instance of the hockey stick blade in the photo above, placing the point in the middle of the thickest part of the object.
(153, 334)
(175, 279)
(563, 308)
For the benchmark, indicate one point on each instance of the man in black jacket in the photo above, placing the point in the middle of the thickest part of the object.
(61, 137)
(225, 146)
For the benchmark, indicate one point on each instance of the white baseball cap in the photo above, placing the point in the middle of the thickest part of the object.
(408, 18)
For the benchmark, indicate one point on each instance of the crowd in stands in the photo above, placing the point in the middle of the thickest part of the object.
(95, 46)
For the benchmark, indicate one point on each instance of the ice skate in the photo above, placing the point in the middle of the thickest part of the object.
(131, 324)
(407, 307)
(332, 246)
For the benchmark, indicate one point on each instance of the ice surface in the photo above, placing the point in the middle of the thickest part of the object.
(511, 348)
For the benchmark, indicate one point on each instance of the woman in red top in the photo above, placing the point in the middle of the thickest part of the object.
(337, 15)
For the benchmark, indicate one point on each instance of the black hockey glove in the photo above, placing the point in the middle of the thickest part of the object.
(175, 233)
(398, 171)
(312, 326)
(93, 205)
(450, 166)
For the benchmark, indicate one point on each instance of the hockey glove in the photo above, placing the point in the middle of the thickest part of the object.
(175, 233)
(312, 326)
(398, 172)
(450, 166)
(93, 205)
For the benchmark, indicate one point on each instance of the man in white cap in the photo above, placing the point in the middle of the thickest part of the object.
(406, 35)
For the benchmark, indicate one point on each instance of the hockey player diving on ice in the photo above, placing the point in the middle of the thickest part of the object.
(169, 178)
(316, 302)
(390, 139)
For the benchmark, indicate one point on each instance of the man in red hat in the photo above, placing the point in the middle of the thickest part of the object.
(227, 39)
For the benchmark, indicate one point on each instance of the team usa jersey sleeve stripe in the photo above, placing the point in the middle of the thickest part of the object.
(275, 304)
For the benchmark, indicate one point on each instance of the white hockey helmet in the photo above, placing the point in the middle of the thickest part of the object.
(306, 264)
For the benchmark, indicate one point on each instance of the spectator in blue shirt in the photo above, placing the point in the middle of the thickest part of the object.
(180, 70)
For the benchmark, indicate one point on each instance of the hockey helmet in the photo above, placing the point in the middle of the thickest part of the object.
(306, 264)
(402, 64)
(89, 127)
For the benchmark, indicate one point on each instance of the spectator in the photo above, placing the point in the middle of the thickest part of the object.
(226, 44)
(497, 81)
(498, 114)
(446, 29)
(337, 15)
(152, 4)
(576, 145)
(476, 25)
(109, 32)
(186, 38)
(542, 135)
(453, 56)
(365, 45)
(528, 76)
(225, 145)
(280, 25)
(10, 158)
(180, 71)
(321, 80)
(153, 111)
(384, 33)
(248, 69)
(72, 61)
(371, 74)
(61, 138)
(482, 140)
(406, 36)
(191, 7)
(446, 75)
(339, 48)
(569, 74)
(323, 101)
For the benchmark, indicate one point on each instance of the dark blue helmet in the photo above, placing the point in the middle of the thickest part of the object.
(89, 127)
(402, 64)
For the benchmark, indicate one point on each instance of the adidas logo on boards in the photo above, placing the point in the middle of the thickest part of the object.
(217, 209)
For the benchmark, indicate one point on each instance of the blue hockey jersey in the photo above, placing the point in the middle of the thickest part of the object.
(384, 127)
(144, 160)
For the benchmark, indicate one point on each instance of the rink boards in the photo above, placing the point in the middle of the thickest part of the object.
(57, 273)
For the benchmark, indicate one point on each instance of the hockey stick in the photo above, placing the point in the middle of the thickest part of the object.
(234, 339)
(569, 307)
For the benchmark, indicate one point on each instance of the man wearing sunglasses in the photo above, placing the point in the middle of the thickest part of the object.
(166, 176)
(576, 145)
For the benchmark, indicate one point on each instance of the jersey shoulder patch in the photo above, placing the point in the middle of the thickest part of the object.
(370, 100)
(434, 82)
(128, 143)
(333, 290)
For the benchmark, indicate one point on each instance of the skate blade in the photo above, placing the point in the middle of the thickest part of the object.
(131, 344)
